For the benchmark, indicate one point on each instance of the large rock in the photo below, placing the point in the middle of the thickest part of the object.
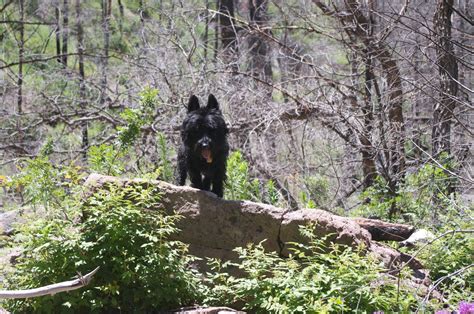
(213, 227)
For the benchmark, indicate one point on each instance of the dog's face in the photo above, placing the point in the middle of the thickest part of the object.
(204, 130)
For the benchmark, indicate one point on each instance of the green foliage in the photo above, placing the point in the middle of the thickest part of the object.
(135, 118)
(128, 133)
(124, 233)
(166, 169)
(424, 200)
(318, 190)
(272, 195)
(105, 159)
(306, 201)
(109, 159)
(423, 195)
(449, 258)
(44, 182)
(317, 278)
(239, 186)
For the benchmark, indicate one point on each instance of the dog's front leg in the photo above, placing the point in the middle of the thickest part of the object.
(182, 169)
(218, 185)
(196, 180)
(206, 183)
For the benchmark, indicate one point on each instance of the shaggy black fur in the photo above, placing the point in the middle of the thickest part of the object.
(204, 150)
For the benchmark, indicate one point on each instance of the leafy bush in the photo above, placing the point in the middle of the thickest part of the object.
(105, 159)
(166, 168)
(239, 186)
(109, 159)
(317, 194)
(141, 270)
(316, 279)
(449, 258)
(44, 182)
(423, 198)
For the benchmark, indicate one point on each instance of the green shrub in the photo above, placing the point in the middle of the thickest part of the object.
(44, 182)
(239, 185)
(425, 200)
(105, 159)
(165, 168)
(122, 231)
(317, 191)
(449, 258)
(110, 159)
(316, 279)
(423, 197)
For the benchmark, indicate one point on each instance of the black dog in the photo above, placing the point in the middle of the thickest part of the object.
(203, 153)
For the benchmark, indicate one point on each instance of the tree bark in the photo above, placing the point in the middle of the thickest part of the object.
(448, 77)
(65, 32)
(260, 63)
(21, 56)
(82, 83)
(122, 13)
(226, 23)
(385, 231)
(367, 150)
(206, 31)
(57, 31)
(357, 26)
(106, 11)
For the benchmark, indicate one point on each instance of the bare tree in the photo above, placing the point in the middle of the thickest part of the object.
(65, 32)
(443, 112)
(57, 30)
(259, 49)
(106, 15)
(82, 83)
(21, 56)
(227, 26)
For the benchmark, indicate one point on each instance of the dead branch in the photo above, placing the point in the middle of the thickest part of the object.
(385, 231)
(50, 289)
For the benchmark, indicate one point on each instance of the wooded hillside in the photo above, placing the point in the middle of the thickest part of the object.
(359, 108)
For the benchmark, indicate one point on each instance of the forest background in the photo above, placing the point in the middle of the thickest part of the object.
(363, 108)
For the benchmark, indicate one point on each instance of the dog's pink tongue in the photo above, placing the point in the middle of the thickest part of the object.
(206, 154)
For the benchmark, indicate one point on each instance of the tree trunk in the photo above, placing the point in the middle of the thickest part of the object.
(227, 28)
(367, 150)
(357, 26)
(216, 32)
(65, 31)
(57, 31)
(21, 56)
(122, 13)
(106, 10)
(396, 142)
(206, 31)
(260, 63)
(448, 76)
(82, 86)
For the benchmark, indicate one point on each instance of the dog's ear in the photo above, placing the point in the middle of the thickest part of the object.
(212, 102)
(193, 103)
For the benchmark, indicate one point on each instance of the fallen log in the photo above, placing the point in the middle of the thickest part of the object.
(50, 289)
(385, 231)
(213, 227)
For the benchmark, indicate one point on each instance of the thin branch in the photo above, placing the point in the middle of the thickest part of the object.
(50, 289)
